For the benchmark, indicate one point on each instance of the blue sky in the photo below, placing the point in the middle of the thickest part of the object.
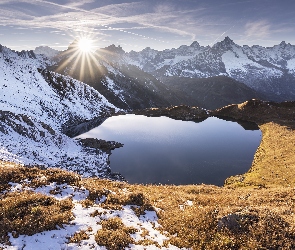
(135, 25)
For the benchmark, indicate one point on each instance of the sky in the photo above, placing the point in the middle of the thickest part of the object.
(135, 25)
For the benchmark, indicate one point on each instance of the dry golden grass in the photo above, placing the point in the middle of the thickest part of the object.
(269, 217)
(214, 217)
(114, 235)
(274, 160)
(79, 236)
(15, 173)
(29, 213)
(262, 217)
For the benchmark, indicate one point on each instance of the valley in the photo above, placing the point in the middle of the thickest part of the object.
(57, 189)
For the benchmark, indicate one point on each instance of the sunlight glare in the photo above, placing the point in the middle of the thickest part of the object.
(85, 45)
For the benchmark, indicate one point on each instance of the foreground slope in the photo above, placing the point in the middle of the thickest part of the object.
(53, 209)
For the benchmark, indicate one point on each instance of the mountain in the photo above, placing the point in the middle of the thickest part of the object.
(46, 51)
(210, 93)
(36, 108)
(151, 78)
(269, 71)
(124, 85)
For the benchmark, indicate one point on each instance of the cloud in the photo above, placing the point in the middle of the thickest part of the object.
(80, 3)
(164, 7)
(258, 29)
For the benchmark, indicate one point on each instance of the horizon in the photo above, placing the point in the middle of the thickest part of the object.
(135, 25)
(97, 48)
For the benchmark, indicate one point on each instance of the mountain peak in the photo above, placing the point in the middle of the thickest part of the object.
(226, 43)
(195, 44)
(114, 49)
(46, 50)
(227, 40)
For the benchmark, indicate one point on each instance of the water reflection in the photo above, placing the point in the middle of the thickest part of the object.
(167, 151)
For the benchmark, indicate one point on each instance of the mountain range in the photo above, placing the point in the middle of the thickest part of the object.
(148, 78)
(45, 94)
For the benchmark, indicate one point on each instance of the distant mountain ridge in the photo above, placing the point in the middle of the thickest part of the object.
(133, 80)
(270, 71)
(46, 51)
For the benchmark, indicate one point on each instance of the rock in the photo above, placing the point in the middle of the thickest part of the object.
(238, 221)
(103, 145)
(182, 112)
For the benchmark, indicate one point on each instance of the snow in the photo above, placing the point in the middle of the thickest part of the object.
(58, 239)
(291, 65)
(37, 145)
(238, 66)
(46, 51)
(48, 102)
(35, 97)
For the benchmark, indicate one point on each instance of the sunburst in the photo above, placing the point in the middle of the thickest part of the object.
(82, 60)
(85, 45)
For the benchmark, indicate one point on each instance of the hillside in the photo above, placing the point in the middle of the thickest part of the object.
(37, 106)
(47, 203)
(210, 93)
(126, 86)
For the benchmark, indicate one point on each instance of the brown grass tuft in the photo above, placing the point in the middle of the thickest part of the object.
(114, 235)
(79, 236)
(35, 176)
(29, 213)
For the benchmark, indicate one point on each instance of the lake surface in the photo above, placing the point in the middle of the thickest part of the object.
(163, 150)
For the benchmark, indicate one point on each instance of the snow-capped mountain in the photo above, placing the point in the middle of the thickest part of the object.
(37, 106)
(270, 71)
(123, 84)
(46, 51)
(27, 88)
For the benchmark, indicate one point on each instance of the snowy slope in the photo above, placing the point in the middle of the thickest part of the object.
(26, 140)
(86, 218)
(50, 97)
(36, 106)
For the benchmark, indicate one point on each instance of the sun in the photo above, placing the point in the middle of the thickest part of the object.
(85, 45)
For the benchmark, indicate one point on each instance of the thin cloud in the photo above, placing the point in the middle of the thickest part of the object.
(80, 3)
(258, 29)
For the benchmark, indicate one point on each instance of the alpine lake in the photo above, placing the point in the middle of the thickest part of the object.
(160, 150)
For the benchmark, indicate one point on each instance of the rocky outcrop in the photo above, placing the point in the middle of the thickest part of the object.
(259, 111)
(182, 112)
(103, 145)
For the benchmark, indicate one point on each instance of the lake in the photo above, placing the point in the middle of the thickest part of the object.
(162, 150)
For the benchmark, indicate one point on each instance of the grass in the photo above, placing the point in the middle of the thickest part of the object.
(29, 213)
(215, 217)
(274, 160)
(114, 235)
